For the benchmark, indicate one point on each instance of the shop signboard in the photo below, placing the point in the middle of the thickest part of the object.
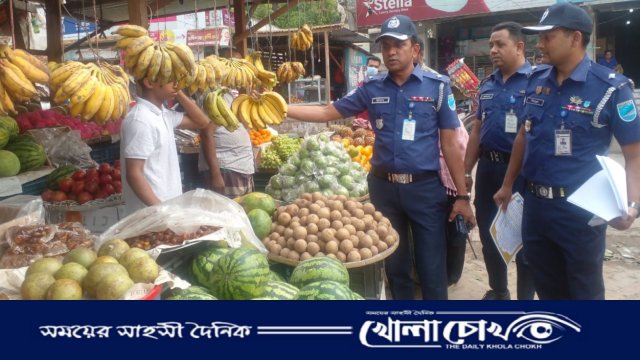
(209, 37)
(374, 12)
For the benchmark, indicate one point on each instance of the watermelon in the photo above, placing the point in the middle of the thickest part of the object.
(23, 138)
(9, 164)
(4, 137)
(318, 269)
(192, 296)
(10, 125)
(58, 174)
(325, 290)
(280, 290)
(274, 276)
(31, 155)
(240, 274)
(258, 200)
(204, 262)
(260, 222)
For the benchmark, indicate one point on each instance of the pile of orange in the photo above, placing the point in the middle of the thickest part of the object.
(361, 154)
(260, 136)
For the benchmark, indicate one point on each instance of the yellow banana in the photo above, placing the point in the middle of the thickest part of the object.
(179, 69)
(245, 111)
(94, 102)
(235, 105)
(263, 114)
(278, 101)
(164, 76)
(185, 54)
(15, 85)
(84, 92)
(136, 46)
(5, 100)
(227, 114)
(75, 110)
(255, 117)
(211, 107)
(32, 60)
(272, 110)
(72, 85)
(193, 86)
(131, 31)
(144, 59)
(154, 64)
(106, 107)
(124, 42)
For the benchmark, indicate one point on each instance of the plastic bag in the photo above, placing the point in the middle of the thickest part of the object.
(20, 210)
(186, 214)
(67, 149)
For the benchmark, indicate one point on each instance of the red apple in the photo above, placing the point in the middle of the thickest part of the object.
(91, 187)
(116, 174)
(104, 168)
(78, 187)
(47, 195)
(58, 196)
(116, 164)
(100, 194)
(91, 171)
(105, 179)
(108, 188)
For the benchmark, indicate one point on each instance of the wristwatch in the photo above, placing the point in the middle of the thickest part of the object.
(463, 197)
(636, 206)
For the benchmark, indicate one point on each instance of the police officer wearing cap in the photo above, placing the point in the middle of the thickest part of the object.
(501, 101)
(411, 111)
(571, 111)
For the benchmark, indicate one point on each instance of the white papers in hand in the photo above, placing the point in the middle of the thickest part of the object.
(605, 193)
(506, 228)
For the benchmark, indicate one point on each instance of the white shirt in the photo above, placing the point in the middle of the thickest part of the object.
(233, 149)
(147, 133)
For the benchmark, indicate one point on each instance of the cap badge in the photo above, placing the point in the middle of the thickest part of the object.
(544, 16)
(394, 22)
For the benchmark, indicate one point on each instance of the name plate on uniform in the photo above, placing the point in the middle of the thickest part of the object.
(486, 96)
(380, 100)
(534, 101)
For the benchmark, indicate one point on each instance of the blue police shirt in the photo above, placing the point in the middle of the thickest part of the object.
(593, 103)
(495, 101)
(388, 104)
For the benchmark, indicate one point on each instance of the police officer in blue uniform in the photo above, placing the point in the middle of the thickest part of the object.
(571, 111)
(411, 111)
(501, 101)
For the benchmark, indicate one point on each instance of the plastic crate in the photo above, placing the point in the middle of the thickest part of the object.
(105, 152)
(367, 280)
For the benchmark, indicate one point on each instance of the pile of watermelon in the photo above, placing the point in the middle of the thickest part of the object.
(243, 274)
(49, 118)
(18, 153)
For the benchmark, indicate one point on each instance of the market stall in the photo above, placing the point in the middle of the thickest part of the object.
(64, 236)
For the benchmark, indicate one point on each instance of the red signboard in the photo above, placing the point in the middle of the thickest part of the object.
(375, 12)
(208, 37)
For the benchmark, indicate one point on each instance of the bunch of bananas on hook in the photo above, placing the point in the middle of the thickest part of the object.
(290, 71)
(19, 72)
(256, 112)
(302, 40)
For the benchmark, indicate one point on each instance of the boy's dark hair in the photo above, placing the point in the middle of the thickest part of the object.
(373, 58)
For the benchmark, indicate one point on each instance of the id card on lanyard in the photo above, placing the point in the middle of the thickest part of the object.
(510, 119)
(562, 138)
(409, 125)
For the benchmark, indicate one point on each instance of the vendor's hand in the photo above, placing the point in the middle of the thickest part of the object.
(502, 197)
(463, 207)
(624, 222)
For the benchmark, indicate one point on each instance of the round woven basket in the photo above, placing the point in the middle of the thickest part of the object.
(349, 265)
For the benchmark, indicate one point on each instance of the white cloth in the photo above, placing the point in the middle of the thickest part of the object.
(147, 133)
(233, 149)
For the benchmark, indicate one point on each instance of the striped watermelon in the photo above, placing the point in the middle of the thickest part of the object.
(318, 269)
(58, 174)
(240, 274)
(31, 155)
(9, 124)
(192, 293)
(4, 137)
(325, 290)
(203, 263)
(274, 276)
(280, 290)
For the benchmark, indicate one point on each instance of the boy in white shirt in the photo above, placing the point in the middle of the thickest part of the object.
(148, 149)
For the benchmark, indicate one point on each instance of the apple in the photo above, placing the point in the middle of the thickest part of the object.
(92, 171)
(105, 179)
(116, 175)
(116, 164)
(100, 194)
(78, 175)
(108, 188)
(91, 187)
(47, 195)
(58, 196)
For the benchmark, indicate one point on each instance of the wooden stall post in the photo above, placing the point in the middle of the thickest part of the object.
(55, 51)
(327, 81)
(138, 13)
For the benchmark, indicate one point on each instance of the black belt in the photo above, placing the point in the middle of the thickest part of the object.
(403, 178)
(547, 192)
(495, 156)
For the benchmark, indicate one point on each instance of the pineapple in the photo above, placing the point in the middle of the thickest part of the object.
(369, 140)
(360, 132)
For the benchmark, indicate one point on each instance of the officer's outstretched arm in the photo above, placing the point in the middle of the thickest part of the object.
(503, 196)
(631, 154)
(314, 113)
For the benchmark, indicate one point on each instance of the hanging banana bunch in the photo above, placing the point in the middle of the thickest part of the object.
(267, 78)
(290, 71)
(159, 62)
(302, 40)
(204, 78)
(269, 108)
(241, 74)
(19, 72)
(215, 106)
(98, 92)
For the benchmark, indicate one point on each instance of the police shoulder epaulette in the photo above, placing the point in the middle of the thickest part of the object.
(538, 69)
(608, 76)
(436, 76)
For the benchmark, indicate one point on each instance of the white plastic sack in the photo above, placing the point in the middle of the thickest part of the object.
(186, 213)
